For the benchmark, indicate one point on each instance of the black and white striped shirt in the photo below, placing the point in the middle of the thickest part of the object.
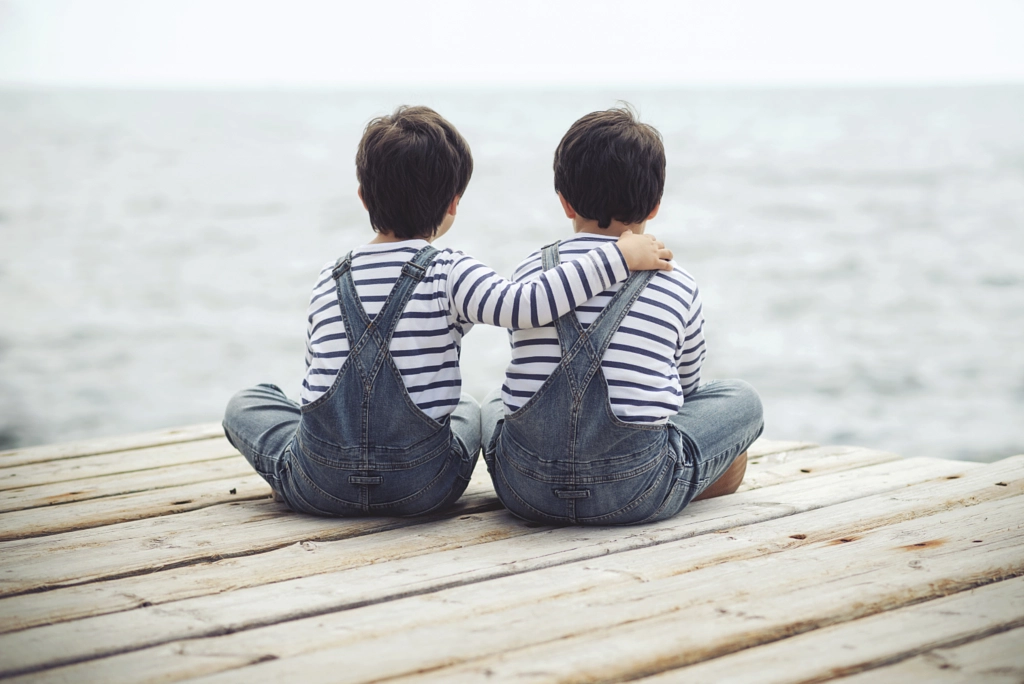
(654, 358)
(456, 292)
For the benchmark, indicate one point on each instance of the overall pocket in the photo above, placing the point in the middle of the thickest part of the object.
(630, 500)
(387, 482)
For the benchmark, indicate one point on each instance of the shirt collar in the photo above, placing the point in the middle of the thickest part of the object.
(415, 245)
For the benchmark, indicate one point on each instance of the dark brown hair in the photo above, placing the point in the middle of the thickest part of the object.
(410, 166)
(610, 166)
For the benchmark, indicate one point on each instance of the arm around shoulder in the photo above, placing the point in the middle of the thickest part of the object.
(480, 295)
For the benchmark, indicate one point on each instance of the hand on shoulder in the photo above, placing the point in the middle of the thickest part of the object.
(644, 252)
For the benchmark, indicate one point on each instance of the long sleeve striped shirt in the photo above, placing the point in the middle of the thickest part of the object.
(653, 360)
(456, 292)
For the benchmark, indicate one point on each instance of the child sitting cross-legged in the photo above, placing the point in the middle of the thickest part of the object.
(382, 427)
(602, 418)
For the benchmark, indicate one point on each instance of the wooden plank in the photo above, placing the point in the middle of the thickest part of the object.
(245, 609)
(612, 617)
(192, 536)
(789, 465)
(75, 469)
(104, 445)
(296, 560)
(749, 603)
(59, 493)
(84, 515)
(765, 447)
(204, 578)
(867, 643)
(995, 659)
(657, 624)
(239, 528)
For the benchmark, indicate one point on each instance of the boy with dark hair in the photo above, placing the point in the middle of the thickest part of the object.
(382, 428)
(602, 419)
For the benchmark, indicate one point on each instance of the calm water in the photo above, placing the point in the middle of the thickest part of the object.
(859, 251)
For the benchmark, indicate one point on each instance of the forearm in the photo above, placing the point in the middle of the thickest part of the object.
(482, 296)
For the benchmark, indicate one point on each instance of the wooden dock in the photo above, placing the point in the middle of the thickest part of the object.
(161, 557)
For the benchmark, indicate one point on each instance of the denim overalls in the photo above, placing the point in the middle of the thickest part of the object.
(563, 457)
(364, 447)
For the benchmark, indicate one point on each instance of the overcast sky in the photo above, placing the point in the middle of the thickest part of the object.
(217, 43)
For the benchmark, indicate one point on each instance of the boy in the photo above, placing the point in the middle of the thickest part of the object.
(382, 429)
(605, 421)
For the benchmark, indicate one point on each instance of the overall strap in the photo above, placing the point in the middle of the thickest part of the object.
(373, 337)
(593, 342)
(567, 327)
(413, 271)
(599, 333)
(352, 313)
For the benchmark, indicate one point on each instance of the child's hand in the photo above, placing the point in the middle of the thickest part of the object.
(644, 252)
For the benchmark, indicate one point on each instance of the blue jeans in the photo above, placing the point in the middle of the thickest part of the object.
(363, 447)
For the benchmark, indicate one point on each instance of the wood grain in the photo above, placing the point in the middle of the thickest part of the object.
(993, 659)
(159, 557)
(274, 565)
(868, 643)
(544, 551)
(116, 463)
(104, 445)
(60, 493)
(83, 515)
(611, 617)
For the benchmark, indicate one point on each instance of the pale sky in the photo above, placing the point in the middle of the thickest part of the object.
(296, 43)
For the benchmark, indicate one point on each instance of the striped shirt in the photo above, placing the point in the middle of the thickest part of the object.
(456, 292)
(654, 358)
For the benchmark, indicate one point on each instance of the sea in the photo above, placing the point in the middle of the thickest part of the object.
(859, 251)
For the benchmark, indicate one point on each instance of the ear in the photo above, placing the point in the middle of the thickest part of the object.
(654, 212)
(453, 206)
(570, 213)
(359, 192)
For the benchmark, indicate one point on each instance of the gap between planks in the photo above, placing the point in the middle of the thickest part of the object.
(996, 658)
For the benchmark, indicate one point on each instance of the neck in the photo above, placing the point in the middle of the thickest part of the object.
(384, 238)
(615, 229)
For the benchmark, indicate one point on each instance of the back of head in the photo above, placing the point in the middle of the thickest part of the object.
(610, 166)
(411, 165)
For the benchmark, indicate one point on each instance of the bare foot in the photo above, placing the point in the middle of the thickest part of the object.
(728, 482)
